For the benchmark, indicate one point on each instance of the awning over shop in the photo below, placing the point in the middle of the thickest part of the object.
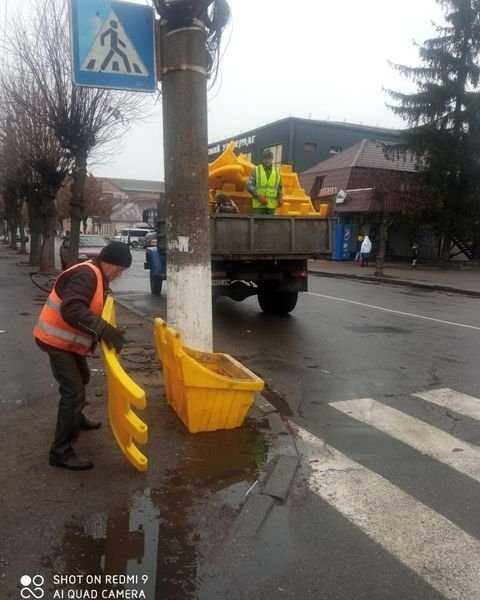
(368, 200)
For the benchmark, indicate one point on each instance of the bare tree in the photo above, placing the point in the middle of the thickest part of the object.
(34, 162)
(81, 118)
(94, 205)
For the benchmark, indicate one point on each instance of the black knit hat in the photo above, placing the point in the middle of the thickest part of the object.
(116, 253)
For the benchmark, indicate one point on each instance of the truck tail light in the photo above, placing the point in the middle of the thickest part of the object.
(299, 273)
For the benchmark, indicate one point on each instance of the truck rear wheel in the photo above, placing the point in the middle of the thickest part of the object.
(277, 303)
(156, 284)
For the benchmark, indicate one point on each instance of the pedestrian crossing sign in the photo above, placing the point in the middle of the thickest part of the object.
(113, 45)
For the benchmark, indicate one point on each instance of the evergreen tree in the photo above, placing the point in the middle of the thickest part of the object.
(443, 117)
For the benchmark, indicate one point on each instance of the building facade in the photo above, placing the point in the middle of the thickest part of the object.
(135, 202)
(362, 183)
(301, 143)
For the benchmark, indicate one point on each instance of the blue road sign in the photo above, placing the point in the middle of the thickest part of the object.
(113, 45)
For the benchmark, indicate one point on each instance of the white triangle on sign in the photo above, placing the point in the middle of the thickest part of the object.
(113, 52)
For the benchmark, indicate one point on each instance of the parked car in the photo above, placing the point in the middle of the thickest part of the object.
(133, 236)
(90, 246)
(149, 240)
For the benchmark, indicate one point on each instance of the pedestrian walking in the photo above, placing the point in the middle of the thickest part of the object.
(265, 186)
(414, 254)
(68, 329)
(358, 247)
(365, 250)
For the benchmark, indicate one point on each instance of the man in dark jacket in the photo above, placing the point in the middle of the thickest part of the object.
(68, 329)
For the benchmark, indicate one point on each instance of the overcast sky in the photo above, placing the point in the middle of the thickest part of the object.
(307, 58)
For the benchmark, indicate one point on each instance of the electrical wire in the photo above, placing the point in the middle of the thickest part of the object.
(214, 14)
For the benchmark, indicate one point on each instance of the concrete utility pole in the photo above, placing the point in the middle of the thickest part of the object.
(184, 91)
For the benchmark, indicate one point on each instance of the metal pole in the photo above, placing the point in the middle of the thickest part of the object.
(189, 293)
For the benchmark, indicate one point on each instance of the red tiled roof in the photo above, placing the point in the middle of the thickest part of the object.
(358, 201)
(367, 153)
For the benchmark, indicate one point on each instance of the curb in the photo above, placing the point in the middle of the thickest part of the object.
(275, 479)
(128, 306)
(400, 282)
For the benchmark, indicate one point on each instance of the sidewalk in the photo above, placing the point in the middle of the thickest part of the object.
(448, 280)
(55, 521)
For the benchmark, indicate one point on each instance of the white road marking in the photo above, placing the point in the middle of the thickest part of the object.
(434, 548)
(468, 406)
(395, 312)
(429, 440)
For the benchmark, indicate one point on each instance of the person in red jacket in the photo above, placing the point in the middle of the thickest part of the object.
(68, 329)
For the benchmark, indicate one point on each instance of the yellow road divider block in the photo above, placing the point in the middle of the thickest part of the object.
(208, 391)
(123, 393)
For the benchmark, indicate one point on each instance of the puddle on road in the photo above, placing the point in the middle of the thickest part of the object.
(160, 533)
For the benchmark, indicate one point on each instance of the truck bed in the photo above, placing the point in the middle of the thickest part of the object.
(246, 237)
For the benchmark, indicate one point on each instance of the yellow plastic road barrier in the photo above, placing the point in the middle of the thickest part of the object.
(123, 393)
(208, 391)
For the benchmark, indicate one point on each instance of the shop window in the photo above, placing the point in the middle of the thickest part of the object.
(310, 147)
(335, 149)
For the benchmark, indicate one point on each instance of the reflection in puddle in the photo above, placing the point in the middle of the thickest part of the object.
(158, 534)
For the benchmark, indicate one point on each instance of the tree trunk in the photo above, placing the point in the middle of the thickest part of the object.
(49, 214)
(382, 244)
(446, 248)
(23, 237)
(36, 227)
(12, 233)
(47, 254)
(77, 206)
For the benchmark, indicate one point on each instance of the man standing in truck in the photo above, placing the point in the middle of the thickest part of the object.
(265, 186)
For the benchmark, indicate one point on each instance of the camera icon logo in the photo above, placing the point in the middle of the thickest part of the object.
(32, 587)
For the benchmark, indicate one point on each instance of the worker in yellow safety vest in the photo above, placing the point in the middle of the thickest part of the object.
(68, 329)
(265, 186)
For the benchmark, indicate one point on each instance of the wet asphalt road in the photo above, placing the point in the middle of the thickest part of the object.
(348, 341)
(329, 349)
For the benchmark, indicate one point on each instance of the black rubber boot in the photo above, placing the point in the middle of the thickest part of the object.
(88, 425)
(70, 461)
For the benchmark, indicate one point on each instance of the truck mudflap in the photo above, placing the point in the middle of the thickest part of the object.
(156, 262)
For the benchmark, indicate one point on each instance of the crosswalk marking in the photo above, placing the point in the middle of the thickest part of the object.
(427, 543)
(429, 440)
(468, 406)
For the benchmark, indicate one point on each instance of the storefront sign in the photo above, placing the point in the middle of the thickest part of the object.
(340, 197)
(240, 143)
(328, 191)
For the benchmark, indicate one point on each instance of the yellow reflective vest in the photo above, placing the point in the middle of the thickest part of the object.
(266, 186)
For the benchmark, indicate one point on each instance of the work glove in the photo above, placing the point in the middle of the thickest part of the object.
(262, 199)
(113, 337)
